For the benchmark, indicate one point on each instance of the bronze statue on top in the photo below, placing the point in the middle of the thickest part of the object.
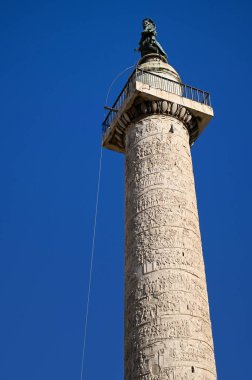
(148, 43)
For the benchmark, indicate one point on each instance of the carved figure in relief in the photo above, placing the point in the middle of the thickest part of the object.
(162, 216)
(158, 197)
(162, 237)
(160, 145)
(158, 170)
(170, 304)
(167, 312)
(157, 146)
(171, 281)
(141, 362)
(152, 126)
(147, 175)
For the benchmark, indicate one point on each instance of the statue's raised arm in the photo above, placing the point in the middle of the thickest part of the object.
(148, 43)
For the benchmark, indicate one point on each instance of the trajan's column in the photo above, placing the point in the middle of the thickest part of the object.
(154, 121)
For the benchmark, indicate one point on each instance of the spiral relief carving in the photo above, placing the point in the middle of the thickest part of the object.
(167, 325)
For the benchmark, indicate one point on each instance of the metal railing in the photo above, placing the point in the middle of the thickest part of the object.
(118, 102)
(159, 82)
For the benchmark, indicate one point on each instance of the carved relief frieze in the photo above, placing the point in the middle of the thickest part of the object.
(158, 170)
(183, 353)
(164, 237)
(147, 333)
(167, 325)
(158, 145)
(147, 129)
(151, 309)
(164, 216)
(161, 197)
(164, 281)
(173, 373)
(150, 260)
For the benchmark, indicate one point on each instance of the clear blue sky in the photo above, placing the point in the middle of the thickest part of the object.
(58, 59)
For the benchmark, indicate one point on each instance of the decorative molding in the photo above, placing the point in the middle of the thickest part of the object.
(142, 108)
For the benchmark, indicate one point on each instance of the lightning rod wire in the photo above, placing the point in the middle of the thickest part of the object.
(91, 268)
(93, 240)
(115, 79)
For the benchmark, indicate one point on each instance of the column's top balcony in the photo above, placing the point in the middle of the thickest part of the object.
(171, 96)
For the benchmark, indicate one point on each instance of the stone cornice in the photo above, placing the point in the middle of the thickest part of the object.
(142, 108)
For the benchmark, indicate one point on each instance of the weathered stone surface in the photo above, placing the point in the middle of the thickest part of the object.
(167, 326)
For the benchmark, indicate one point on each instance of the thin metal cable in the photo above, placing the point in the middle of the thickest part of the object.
(115, 79)
(93, 242)
(91, 267)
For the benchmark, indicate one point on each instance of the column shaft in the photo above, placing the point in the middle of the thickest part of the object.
(167, 326)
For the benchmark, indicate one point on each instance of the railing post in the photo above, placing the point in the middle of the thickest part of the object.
(209, 100)
(191, 93)
(204, 97)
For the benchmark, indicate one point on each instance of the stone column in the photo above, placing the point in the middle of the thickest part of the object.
(167, 325)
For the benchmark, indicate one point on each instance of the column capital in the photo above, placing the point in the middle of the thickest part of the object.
(146, 107)
(155, 87)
